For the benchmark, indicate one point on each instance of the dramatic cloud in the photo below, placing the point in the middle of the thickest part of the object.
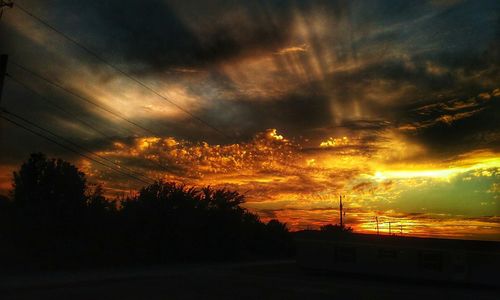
(394, 104)
(283, 179)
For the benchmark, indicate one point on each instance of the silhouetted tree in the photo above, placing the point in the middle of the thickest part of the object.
(96, 202)
(279, 241)
(168, 221)
(50, 188)
(330, 228)
(5, 212)
(5, 204)
(60, 221)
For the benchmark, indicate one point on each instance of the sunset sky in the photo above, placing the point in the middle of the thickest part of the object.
(394, 104)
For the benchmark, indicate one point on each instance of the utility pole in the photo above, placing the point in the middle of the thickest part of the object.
(390, 228)
(376, 219)
(3, 71)
(401, 229)
(340, 211)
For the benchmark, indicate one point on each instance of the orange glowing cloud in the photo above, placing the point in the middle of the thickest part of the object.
(283, 179)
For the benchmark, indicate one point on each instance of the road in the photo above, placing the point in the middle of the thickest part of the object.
(262, 280)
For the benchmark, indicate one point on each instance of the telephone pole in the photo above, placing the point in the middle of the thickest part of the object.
(340, 211)
(390, 228)
(376, 219)
(3, 71)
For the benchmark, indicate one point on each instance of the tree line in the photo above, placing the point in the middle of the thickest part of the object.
(53, 218)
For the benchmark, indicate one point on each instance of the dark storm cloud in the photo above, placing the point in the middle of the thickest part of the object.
(156, 36)
(408, 54)
(470, 125)
(432, 79)
(396, 73)
(296, 113)
(152, 36)
(461, 71)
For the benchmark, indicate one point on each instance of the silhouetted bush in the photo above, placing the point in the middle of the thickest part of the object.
(336, 229)
(55, 219)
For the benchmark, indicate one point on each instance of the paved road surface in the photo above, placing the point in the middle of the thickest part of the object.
(266, 280)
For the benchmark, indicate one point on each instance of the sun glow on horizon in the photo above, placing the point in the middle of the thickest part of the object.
(290, 103)
(442, 173)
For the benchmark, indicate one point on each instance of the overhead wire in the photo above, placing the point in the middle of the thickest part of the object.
(72, 150)
(74, 116)
(121, 71)
(114, 67)
(55, 105)
(72, 143)
(83, 98)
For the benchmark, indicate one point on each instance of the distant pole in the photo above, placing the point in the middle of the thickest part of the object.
(401, 229)
(3, 71)
(340, 211)
(376, 219)
(390, 228)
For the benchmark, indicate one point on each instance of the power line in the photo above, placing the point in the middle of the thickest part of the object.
(69, 148)
(73, 143)
(121, 71)
(57, 106)
(117, 69)
(75, 117)
(72, 150)
(86, 99)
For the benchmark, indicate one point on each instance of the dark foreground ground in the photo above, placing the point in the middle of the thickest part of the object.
(264, 280)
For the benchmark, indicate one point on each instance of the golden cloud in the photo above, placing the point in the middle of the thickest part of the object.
(283, 179)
